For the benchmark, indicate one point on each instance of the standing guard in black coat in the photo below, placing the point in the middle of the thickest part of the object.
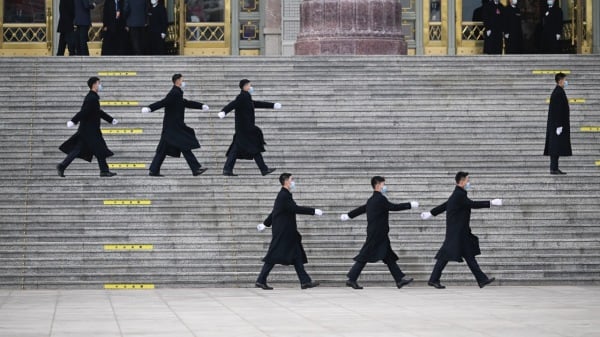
(113, 28)
(493, 21)
(176, 137)
(377, 247)
(552, 28)
(88, 141)
(248, 140)
(513, 32)
(286, 244)
(66, 10)
(157, 28)
(459, 242)
(558, 127)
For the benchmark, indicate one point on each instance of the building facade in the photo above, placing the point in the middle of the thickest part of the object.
(270, 27)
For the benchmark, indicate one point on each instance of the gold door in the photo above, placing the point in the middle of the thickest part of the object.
(469, 27)
(26, 28)
(578, 30)
(435, 19)
(205, 27)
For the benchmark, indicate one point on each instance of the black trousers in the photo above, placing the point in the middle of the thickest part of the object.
(66, 40)
(156, 44)
(137, 36)
(471, 262)
(553, 163)
(232, 157)
(298, 265)
(82, 40)
(161, 154)
(355, 271)
(75, 152)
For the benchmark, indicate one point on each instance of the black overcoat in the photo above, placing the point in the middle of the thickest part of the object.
(286, 243)
(514, 43)
(377, 245)
(176, 136)
(248, 137)
(558, 115)
(459, 240)
(66, 12)
(89, 130)
(493, 20)
(552, 24)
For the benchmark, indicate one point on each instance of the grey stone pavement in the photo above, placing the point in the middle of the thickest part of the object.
(568, 311)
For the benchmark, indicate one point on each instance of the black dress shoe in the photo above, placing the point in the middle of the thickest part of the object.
(107, 174)
(557, 172)
(436, 285)
(268, 171)
(403, 282)
(309, 285)
(263, 286)
(60, 170)
(486, 282)
(152, 174)
(353, 284)
(199, 172)
(229, 174)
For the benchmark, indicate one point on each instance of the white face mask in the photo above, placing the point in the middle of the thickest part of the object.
(514, 2)
(154, 2)
(293, 186)
(550, 3)
(251, 90)
(182, 85)
(100, 87)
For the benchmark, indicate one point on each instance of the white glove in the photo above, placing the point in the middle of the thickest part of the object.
(506, 36)
(205, 107)
(557, 37)
(261, 227)
(318, 212)
(344, 217)
(277, 106)
(221, 114)
(414, 204)
(489, 32)
(145, 110)
(115, 121)
(496, 202)
(426, 215)
(70, 124)
(559, 130)
(163, 35)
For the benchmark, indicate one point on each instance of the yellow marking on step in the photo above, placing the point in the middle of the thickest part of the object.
(547, 72)
(571, 100)
(128, 286)
(128, 247)
(117, 73)
(127, 165)
(597, 162)
(119, 103)
(114, 202)
(122, 131)
(590, 129)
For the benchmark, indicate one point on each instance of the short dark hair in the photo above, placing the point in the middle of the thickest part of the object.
(460, 176)
(92, 81)
(244, 82)
(176, 77)
(559, 77)
(376, 180)
(284, 177)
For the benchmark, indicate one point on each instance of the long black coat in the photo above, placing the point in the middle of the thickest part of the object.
(493, 20)
(552, 24)
(558, 115)
(248, 137)
(286, 243)
(66, 12)
(377, 245)
(89, 130)
(459, 240)
(512, 17)
(175, 134)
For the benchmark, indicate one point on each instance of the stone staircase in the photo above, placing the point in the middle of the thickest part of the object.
(415, 120)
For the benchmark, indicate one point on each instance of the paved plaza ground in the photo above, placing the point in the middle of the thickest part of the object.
(567, 311)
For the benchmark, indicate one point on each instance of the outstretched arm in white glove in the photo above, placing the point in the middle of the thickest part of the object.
(414, 204)
(344, 217)
(70, 124)
(260, 227)
(145, 110)
(221, 114)
(205, 107)
(114, 121)
(426, 215)
(277, 106)
(318, 212)
(496, 202)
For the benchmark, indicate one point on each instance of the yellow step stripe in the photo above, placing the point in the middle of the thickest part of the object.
(127, 165)
(128, 247)
(117, 73)
(122, 131)
(590, 129)
(571, 100)
(114, 202)
(547, 72)
(128, 286)
(597, 162)
(119, 103)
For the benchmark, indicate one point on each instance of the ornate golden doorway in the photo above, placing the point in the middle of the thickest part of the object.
(435, 19)
(26, 27)
(204, 27)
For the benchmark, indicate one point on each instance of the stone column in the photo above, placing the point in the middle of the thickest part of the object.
(350, 27)
(272, 27)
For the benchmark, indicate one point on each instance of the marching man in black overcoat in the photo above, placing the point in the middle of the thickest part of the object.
(88, 142)
(459, 242)
(377, 247)
(286, 243)
(558, 127)
(176, 137)
(248, 141)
